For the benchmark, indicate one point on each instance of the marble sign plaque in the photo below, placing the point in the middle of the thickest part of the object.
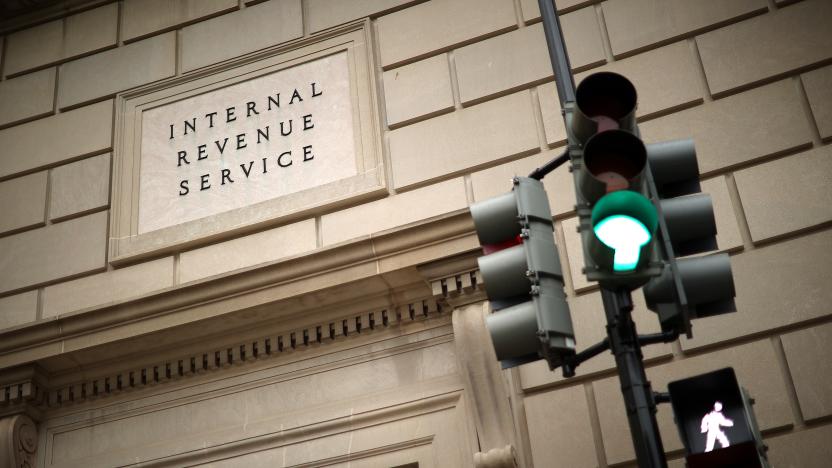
(251, 142)
(272, 137)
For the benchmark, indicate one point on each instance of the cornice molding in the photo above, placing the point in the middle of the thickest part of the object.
(381, 256)
(35, 391)
(23, 390)
(455, 282)
(452, 280)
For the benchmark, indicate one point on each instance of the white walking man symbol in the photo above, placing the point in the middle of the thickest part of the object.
(712, 423)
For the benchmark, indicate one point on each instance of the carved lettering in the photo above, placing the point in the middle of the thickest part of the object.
(211, 119)
(221, 148)
(286, 132)
(265, 108)
(247, 171)
(226, 174)
(295, 96)
(191, 125)
(264, 134)
(250, 108)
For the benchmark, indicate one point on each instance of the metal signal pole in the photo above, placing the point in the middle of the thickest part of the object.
(622, 338)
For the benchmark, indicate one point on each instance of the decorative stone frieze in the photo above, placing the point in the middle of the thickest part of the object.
(215, 359)
(22, 390)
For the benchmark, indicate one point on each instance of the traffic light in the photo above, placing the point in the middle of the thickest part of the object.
(523, 277)
(639, 207)
(617, 220)
(716, 422)
(688, 288)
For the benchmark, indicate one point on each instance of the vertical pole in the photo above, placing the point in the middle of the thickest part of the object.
(557, 52)
(638, 395)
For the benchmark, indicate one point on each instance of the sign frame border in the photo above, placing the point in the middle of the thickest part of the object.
(126, 245)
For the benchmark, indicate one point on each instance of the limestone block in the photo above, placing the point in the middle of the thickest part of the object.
(582, 33)
(80, 186)
(807, 353)
(247, 251)
(739, 128)
(506, 62)
(53, 139)
(91, 30)
(431, 27)
(765, 46)
(818, 86)
(575, 254)
(550, 108)
(109, 287)
(53, 252)
(462, 140)
(497, 180)
(768, 296)
(393, 211)
(531, 10)
(559, 428)
(27, 96)
(33, 47)
(144, 17)
(808, 448)
(636, 24)
(24, 202)
(727, 231)
(416, 90)
(324, 14)
(57, 40)
(806, 201)
(265, 25)
(665, 78)
(115, 70)
(18, 309)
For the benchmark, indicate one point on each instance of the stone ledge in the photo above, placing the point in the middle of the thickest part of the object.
(323, 278)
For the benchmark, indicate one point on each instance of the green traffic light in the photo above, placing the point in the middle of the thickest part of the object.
(624, 221)
(626, 235)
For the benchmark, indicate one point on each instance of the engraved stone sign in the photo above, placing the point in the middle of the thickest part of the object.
(240, 145)
(279, 135)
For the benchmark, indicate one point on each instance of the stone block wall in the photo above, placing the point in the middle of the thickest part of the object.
(467, 99)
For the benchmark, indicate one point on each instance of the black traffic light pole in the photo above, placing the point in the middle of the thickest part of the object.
(622, 338)
(638, 396)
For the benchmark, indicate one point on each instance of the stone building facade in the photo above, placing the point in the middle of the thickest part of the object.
(339, 321)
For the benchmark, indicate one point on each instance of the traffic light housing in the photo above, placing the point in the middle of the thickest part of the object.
(523, 277)
(695, 287)
(639, 208)
(716, 422)
(617, 220)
